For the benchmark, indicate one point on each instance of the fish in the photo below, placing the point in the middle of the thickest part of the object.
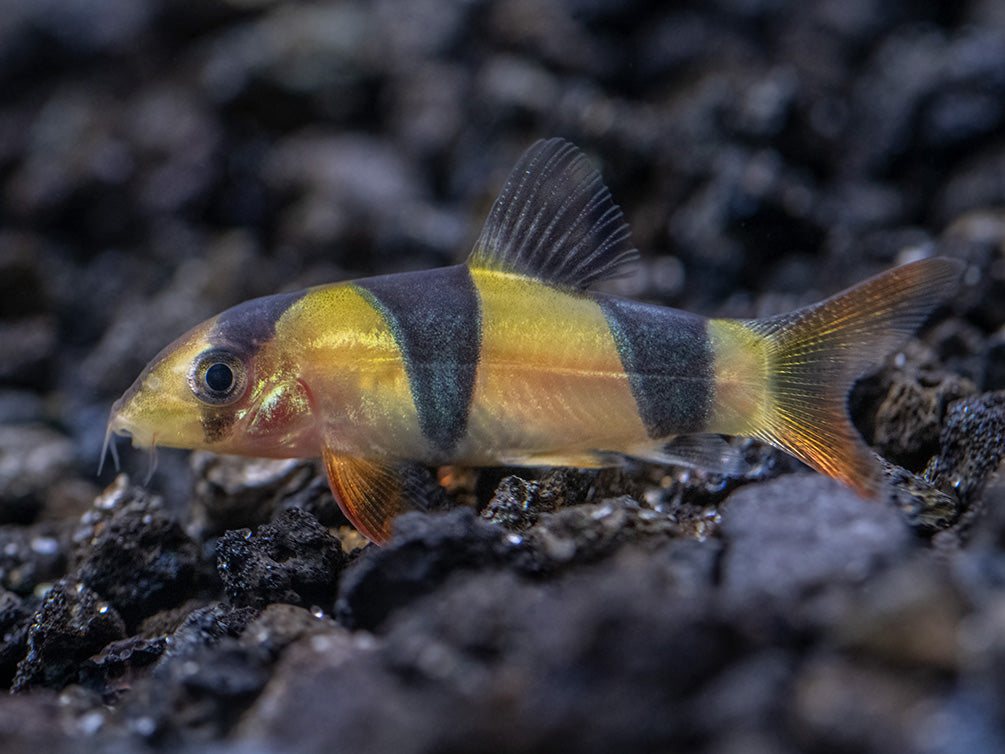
(514, 358)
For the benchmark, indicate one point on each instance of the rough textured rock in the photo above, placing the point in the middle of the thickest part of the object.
(972, 445)
(911, 416)
(32, 723)
(281, 625)
(233, 492)
(293, 560)
(484, 640)
(518, 503)
(15, 620)
(72, 624)
(116, 667)
(423, 552)
(801, 532)
(202, 682)
(924, 507)
(589, 533)
(138, 557)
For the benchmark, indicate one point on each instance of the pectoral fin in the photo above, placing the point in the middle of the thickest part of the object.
(371, 493)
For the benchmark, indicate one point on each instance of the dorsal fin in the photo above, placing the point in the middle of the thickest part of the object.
(555, 221)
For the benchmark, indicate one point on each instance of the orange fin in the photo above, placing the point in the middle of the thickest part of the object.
(372, 493)
(814, 355)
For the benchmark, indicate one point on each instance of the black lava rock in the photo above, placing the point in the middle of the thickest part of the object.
(293, 560)
(518, 503)
(117, 666)
(423, 552)
(972, 446)
(792, 535)
(234, 493)
(72, 624)
(280, 625)
(924, 507)
(138, 557)
(558, 658)
(909, 419)
(589, 533)
(15, 620)
(36, 458)
(203, 681)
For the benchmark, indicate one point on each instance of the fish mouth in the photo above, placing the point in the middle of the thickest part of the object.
(109, 444)
(117, 427)
(120, 426)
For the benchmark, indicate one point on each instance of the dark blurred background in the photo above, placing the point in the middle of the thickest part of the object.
(161, 160)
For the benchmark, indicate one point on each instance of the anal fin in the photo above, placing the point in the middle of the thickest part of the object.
(700, 451)
(372, 493)
(581, 459)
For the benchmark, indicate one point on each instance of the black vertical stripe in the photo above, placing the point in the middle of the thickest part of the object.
(244, 328)
(669, 362)
(436, 321)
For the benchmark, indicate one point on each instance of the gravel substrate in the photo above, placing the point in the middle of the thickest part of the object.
(161, 160)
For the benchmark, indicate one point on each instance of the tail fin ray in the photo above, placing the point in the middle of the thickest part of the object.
(815, 354)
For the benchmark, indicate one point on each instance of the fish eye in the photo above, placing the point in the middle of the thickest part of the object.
(218, 377)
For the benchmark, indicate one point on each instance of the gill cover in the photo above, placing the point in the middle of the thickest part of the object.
(195, 392)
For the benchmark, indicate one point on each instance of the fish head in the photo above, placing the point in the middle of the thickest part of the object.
(226, 386)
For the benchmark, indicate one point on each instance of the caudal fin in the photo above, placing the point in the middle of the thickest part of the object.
(814, 355)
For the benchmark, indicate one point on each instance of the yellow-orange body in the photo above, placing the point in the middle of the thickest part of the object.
(549, 379)
(509, 359)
